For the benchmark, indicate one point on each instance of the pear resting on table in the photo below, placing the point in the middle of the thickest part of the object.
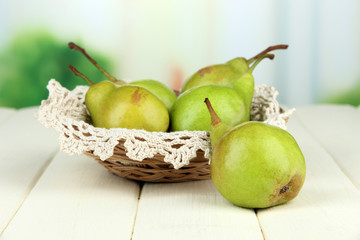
(255, 165)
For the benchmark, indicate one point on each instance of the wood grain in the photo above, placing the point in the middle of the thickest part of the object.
(26, 148)
(340, 136)
(191, 210)
(46, 194)
(77, 199)
(328, 207)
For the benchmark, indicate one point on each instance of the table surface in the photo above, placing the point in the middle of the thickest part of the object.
(47, 194)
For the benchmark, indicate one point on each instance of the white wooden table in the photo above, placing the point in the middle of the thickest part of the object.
(46, 194)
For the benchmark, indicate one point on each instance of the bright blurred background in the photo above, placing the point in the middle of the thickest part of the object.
(169, 40)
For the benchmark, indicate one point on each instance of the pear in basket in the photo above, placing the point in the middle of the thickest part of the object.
(230, 88)
(228, 72)
(255, 165)
(116, 104)
(161, 90)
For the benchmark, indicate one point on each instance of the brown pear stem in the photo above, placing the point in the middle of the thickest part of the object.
(258, 60)
(214, 117)
(267, 50)
(79, 74)
(80, 49)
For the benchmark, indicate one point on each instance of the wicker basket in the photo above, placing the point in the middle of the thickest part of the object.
(154, 169)
(65, 111)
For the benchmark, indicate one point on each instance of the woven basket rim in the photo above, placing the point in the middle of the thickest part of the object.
(152, 168)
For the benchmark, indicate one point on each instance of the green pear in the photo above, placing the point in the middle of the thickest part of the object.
(166, 94)
(230, 87)
(228, 72)
(217, 74)
(114, 105)
(190, 113)
(218, 128)
(255, 165)
(127, 106)
(232, 102)
(158, 88)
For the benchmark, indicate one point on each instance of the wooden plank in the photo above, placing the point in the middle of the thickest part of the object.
(340, 136)
(26, 147)
(5, 113)
(328, 207)
(191, 210)
(76, 198)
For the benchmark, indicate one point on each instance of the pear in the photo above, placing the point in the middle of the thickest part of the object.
(255, 165)
(230, 87)
(121, 105)
(161, 90)
(232, 102)
(166, 94)
(217, 73)
(190, 113)
(228, 72)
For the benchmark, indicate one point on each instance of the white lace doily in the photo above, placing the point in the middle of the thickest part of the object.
(66, 112)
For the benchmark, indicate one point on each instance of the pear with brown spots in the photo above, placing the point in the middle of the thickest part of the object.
(162, 91)
(113, 103)
(229, 86)
(227, 73)
(124, 106)
(127, 106)
(255, 165)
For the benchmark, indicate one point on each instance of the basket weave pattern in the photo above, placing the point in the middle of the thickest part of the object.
(154, 169)
(139, 154)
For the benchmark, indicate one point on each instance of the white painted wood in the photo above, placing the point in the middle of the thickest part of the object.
(340, 136)
(76, 198)
(192, 210)
(328, 207)
(5, 113)
(26, 147)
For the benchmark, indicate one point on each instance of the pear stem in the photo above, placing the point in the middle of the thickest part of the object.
(80, 49)
(214, 117)
(258, 60)
(269, 56)
(79, 74)
(267, 50)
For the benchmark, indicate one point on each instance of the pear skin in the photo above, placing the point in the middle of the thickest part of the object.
(228, 72)
(256, 165)
(222, 74)
(218, 128)
(190, 113)
(159, 89)
(127, 106)
(244, 86)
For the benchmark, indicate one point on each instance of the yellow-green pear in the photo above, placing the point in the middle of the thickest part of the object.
(166, 94)
(114, 105)
(158, 88)
(226, 73)
(255, 165)
(190, 113)
(230, 87)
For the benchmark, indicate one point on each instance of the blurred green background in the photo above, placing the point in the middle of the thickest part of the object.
(350, 96)
(169, 40)
(31, 59)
